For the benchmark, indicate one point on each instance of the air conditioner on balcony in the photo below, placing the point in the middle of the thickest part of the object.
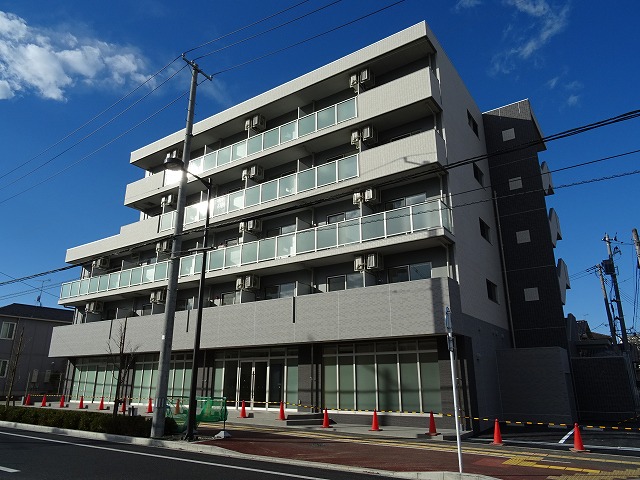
(158, 296)
(358, 198)
(366, 77)
(247, 123)
(163, 246)
(239, 283)
(355, 137)
(353, 81)
(94, 307)
(168, 201)
(359, 263)
(258, 123)
(102, 262)
(369, 135)
(374, 261)
(251, 282)
(175, 154)
(371, 195)
(254, 172)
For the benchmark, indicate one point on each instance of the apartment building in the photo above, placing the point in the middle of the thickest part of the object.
(352, 206)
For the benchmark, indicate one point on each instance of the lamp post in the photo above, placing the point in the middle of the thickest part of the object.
(173, 163)
(164, 361)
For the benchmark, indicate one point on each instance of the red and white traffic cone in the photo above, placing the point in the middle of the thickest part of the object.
(432, 426)
(101, 405)
(282, 417)
(62, 401)
(150, 407)
(81, 406)
(44, 401)
(578, 446)
(325, 420)
(243, 410)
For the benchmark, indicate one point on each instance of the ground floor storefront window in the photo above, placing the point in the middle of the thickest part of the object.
(396, 376)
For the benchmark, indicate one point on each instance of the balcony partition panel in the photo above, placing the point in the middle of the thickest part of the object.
(419, 217)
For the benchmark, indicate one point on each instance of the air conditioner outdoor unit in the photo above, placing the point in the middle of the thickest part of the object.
(366, 77)
(34, 375)
(158, 296)
(254, 172)
(359, 263)
(254, 226)
(94, 307)
(163, 246)
(175, 154)
(358, 198)
(239, 283)
(369, 134)
(371, 195)
(258, 122)
(167, 201)
(251, 282)
(353, 80)
(355, 137)
(102, 262)
(247, 124)
(374, 261)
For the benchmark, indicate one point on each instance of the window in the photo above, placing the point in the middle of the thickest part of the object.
(492, 291)
(339, 217)
(279, 291)
(523, 236)
(478, 174)
(4, 366)
(345, 282)
(515, 183)
(7, 330)
(228, 298)
(485, 230)
(403, 202)
(508, 134)
(406, 273)
(472, 123)
(531, 294)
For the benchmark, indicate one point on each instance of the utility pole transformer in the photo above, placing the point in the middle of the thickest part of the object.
(636, 242)
(610, 269)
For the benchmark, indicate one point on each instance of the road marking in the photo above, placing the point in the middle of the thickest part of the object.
(153, 455)
(8, 470)
(564, 439)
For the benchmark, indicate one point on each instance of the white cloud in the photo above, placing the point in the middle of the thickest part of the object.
(547, 22)
(573, 100)
(553, 82)
(461, 4)
(49, 63)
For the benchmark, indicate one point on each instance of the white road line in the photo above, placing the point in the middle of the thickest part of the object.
(8, 470)
(187, 460)
(564, 439)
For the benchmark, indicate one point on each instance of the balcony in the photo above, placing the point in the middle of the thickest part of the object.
(383, 225)
(312, 178)
(380, 311)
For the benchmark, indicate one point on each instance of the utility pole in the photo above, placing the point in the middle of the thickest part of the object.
(164, 362)
(636, 242)
(610, 269)
(607, 307)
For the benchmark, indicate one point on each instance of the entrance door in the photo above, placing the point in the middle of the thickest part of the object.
(253, 383)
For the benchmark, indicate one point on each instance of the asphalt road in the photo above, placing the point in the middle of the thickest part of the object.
(39, 456)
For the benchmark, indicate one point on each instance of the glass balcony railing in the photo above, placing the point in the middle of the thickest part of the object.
(316, 177)
(311, 123)
(414, 218)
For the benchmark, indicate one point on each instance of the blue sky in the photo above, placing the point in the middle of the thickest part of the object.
(64, 171)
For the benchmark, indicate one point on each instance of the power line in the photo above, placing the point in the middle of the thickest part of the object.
(35, 275)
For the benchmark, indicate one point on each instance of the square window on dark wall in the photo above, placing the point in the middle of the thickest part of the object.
(485, 230)
(472, 123)
(492, 291)
(478, 174)
(336, 283)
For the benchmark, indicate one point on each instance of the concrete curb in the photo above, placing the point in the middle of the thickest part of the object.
(223, 452)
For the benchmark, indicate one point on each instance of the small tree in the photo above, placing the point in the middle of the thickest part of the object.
(118, 347)
(14, 360)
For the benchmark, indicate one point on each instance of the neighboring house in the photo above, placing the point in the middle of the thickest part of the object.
(352, 206)
(36, 372)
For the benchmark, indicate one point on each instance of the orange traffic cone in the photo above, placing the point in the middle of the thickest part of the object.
(150, 407)
(243, 410)
(44, 401)
(282, 417)
(27, 400)
(497, 437)
(101, 406)
(177, 409)
(578, 446)
(432, 426)
(81, 406)
(374, 423)
(325, 420)
(62, 401)
(123, 408)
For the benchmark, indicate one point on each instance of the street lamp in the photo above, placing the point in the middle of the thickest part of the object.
(173, 163)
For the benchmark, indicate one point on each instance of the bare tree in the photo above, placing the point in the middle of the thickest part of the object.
(14, 360)
(118, 347)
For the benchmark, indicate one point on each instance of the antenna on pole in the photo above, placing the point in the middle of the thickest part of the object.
(39, 299)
